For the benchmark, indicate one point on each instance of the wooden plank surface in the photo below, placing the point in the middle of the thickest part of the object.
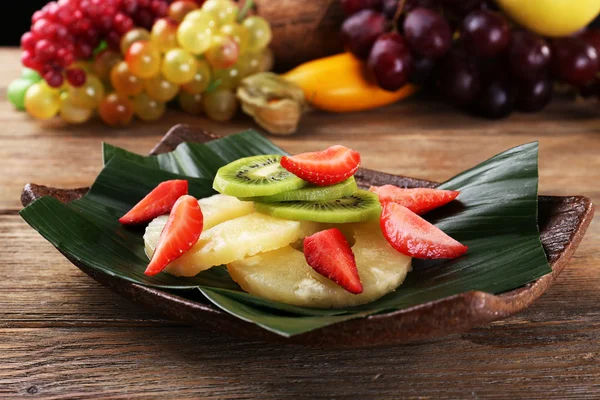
(64, 336)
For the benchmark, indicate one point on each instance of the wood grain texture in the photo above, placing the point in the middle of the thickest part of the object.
(64, 336)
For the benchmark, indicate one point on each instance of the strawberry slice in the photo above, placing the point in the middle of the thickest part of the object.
(158, 202)
(328, 253)
(419, 201)
(323, 168)
(181, 232)
(411, 235)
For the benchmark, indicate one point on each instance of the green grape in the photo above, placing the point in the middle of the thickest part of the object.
(124, 82)
(191, 103)
(30, 75)
(104, 62)
(229, 78)
(89, 95)
(224, 11)
(133, 36)
(203, 19)
(201, 79)
(194, 36)
(179, 66)
(116, 110)
(71, 113)
(259, 33)
(266, 60)
(164, 34)
(146, 108)
(223, 52)
(16, 92)
(143, 59)
(220, 105)
(160, 89)
(238, 33)
(249, 64)
(42, 101)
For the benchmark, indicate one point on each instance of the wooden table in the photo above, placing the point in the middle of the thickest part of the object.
(63, 335)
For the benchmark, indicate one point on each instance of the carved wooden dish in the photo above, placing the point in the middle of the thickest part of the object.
(562, 221)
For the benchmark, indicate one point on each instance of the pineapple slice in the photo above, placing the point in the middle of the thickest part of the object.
(232, 240)
(215, 209)
(283, 275)
(220, 208)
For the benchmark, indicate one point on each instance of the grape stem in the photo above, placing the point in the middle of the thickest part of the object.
(213, 86)
(248, 4)
(398, 12)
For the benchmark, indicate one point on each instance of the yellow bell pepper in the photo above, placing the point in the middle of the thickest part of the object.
(339, 84)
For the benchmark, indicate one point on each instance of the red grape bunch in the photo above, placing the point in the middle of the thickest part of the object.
(68, 30)
(469, 53)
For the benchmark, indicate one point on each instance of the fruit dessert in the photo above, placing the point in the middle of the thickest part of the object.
(295, 229)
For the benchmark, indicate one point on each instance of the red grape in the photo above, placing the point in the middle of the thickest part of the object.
(45, 50)
(28, 41)
(460, 80)
(460, 8)
(574, 61)
(28, 60)
(410, 5)
(76, 77)
(422, 70)
(53, 78)
(496, 100)
(353, 6)
(528, 54)
(360, 31)
(485, 33)
(534, 95)
(592, 37)
(389, 8)
(390, 61)
(427, 33)
(65, 57)
(122, 23)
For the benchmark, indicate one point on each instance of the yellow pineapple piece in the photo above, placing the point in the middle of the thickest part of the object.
(283, 275)
(232, 240)
(215, 209)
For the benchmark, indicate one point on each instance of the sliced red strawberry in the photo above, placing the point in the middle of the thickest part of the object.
(323, 168)
(411, 235)
(419, 201)
(328, 253)
(158, 202)
(181, 232)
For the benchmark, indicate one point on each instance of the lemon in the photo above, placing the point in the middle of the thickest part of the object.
(552, 17)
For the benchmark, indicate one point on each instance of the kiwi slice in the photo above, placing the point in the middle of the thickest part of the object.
(255, 176)
(312, 193)
(361, 206)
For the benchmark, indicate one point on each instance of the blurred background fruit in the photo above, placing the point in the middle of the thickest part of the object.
(485, 57)
(552, 17)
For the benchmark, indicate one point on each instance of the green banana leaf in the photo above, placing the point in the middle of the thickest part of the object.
(495, 215)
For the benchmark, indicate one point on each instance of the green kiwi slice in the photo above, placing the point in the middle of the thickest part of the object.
(312, 193)
(361, 206)
(255, 176)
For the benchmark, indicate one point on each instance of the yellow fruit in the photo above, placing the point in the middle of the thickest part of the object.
(283, 275)
(42, 101)
(234, 240)
(220, 208)
(552, 17)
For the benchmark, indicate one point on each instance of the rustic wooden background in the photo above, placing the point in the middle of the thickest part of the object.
(64, 336)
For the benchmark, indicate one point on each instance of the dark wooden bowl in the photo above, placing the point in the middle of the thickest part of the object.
(562, 220)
